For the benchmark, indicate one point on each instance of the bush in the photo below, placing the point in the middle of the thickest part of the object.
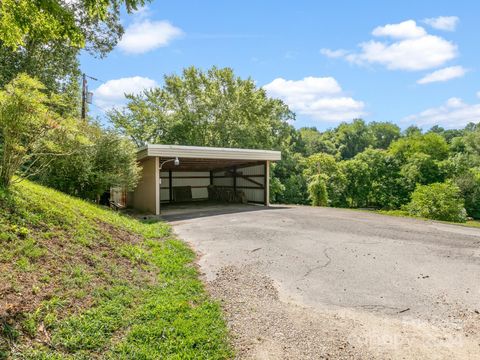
(318, 191)
(438, 201)
(469, 185)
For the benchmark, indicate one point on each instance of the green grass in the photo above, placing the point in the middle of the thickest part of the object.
(79, 281)
(402, 213)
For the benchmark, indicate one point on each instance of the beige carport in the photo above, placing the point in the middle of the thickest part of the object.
(163, 179)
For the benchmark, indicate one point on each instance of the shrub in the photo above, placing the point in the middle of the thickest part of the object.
(438, 201)
(318, 191)
(469, 184)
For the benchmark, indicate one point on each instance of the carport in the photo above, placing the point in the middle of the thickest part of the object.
(186, 174)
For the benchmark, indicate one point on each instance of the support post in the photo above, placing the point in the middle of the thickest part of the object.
(170, 188)
(235, 180)
(157, 185)
(211, 177)
(84, 96)
(266, 189)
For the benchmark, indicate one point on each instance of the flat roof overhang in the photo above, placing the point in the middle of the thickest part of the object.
(206, 158)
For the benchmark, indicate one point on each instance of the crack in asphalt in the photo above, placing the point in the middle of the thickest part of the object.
(329, 260)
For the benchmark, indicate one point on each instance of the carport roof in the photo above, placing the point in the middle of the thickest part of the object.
(206, 158)
(200, 152)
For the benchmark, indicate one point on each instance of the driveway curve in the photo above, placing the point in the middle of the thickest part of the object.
(302, 282)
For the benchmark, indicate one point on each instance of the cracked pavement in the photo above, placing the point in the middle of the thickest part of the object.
(422, 278)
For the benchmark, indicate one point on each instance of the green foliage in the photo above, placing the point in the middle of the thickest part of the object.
(388, 189)
(29, 129)
(438, 201)
(431, 144)
(318, 191)
(277, 189)
(290, 179)
(59, 70)
(384, 134)
(212, 108)
(421, 168)
(132, 292)
(73, 23)
(353, 138)
(102, 159)
(469, 185)
(357, 186)
(315, 142)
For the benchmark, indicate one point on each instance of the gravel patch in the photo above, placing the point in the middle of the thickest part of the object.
(264, 326)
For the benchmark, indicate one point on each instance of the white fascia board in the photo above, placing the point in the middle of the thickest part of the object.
(208, 153)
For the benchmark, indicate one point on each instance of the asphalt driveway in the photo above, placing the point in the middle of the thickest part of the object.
(385, 287)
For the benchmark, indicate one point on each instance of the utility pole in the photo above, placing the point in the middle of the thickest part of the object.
(86, 95)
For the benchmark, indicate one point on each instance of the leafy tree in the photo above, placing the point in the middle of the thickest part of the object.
(422, 169)
(316, 142)
(277, 189)
(384, 134)
(438, 201)
(447, 134)
(56, 66)
(358, 182)
(387, 188)
(91, 23)
(320, 164)
(212, 108)
(29, 129)
(288, 173)
(431, 144)
(412, 130)
(318, 191)
(353, 138)
(469, 184)
(103, 160)
(329, 169)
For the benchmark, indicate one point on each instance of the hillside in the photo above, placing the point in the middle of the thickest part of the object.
(81, 281)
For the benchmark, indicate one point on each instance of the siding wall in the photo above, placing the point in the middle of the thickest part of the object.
(145, 195)
(198, 180)
(252, 191)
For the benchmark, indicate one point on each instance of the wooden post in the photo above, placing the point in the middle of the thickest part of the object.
(211, 177)
(170, 188)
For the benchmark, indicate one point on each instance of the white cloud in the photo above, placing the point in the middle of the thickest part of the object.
(444, 74)
(333, 53)
(146, 35)
(453, 114)
(413, 49)
(404, 30)
(447, 23)
(319, 97)
(478, 94)
(112, 93)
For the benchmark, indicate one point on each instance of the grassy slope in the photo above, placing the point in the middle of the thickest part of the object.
(79, 281)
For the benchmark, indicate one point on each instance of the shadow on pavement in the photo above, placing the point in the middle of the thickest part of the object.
(188, 211)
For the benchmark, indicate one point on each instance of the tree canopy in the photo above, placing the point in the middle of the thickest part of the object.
(205, 108)
(94, 24)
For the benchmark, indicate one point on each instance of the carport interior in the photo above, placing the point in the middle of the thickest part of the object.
(214, 180)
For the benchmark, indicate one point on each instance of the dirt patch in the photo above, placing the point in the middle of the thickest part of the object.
(265, 327)
(70, 269)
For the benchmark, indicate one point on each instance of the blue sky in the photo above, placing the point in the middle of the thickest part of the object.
(408, 62)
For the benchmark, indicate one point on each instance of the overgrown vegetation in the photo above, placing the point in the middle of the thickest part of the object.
(80, 281)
